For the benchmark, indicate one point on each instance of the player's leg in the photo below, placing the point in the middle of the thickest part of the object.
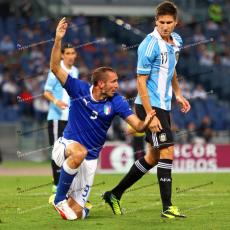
(136, 172)
(75, 154)
(164, 169)
(81, 187)
(164, 142)
(142, 165)
(58, 157)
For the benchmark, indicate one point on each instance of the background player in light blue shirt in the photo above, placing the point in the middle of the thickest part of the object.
(92, 110)
(59, 102)
(156, 80)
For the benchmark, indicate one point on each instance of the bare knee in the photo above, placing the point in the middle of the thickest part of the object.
(76, 154)
(152, 155)
(149, 159)
(167, 153)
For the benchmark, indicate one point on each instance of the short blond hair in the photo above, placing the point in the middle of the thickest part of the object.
(100, 74)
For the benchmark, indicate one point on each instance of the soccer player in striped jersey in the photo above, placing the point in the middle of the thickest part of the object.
(156, 79)
(59, 103)
(92, 109)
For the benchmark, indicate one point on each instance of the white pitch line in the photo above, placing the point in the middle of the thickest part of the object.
(127, 194)
(180, 194)
(200, 206)
(34, 194)
(19, 211)
(208, 194)
(138, 209)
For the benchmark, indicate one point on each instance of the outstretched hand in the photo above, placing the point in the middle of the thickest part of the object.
(61, 28)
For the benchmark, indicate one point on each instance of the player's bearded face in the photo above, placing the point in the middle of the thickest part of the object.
(165, 25)
(69, 56)
(111, 85)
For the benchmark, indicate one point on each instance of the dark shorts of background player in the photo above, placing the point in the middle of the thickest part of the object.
(55, 130)
(161, 139)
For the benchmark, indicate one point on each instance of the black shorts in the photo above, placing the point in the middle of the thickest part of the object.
(55, 130)
(161, 139)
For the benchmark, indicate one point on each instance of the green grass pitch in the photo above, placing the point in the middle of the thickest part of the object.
(205, 198)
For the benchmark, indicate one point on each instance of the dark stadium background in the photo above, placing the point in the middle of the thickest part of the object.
(107, 32)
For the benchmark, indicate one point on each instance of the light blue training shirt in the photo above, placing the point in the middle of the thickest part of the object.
(54, 86)
(158, 59)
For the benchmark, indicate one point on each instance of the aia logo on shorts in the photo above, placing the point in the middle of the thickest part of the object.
(163, 137)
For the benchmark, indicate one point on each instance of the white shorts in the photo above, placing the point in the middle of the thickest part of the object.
(83, 181)
(58, 152)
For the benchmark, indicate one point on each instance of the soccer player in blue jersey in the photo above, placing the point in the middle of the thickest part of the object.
(92, 110)
(59, 103)
(156, 79)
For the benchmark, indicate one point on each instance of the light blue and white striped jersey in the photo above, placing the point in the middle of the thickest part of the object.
(158, 59)
(55, 87)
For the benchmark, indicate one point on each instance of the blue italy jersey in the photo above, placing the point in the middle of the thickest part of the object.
(55, 87)
(89, 120)
(158, 59)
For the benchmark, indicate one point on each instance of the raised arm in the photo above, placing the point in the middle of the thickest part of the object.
(56, 52)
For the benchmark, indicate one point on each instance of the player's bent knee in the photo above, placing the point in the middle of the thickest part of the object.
(167, 153)
(76, 150)
(152, 156)
(151, 159)
(79, 155)
(75, 153)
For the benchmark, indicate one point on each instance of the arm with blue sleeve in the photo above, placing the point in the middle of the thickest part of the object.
(71, 85)
(124, 111)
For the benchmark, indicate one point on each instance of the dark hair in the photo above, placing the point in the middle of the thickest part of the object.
(100, 74)
(166, 8)
(66, 46)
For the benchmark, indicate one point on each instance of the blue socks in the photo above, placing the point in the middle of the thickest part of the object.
(66, 177)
